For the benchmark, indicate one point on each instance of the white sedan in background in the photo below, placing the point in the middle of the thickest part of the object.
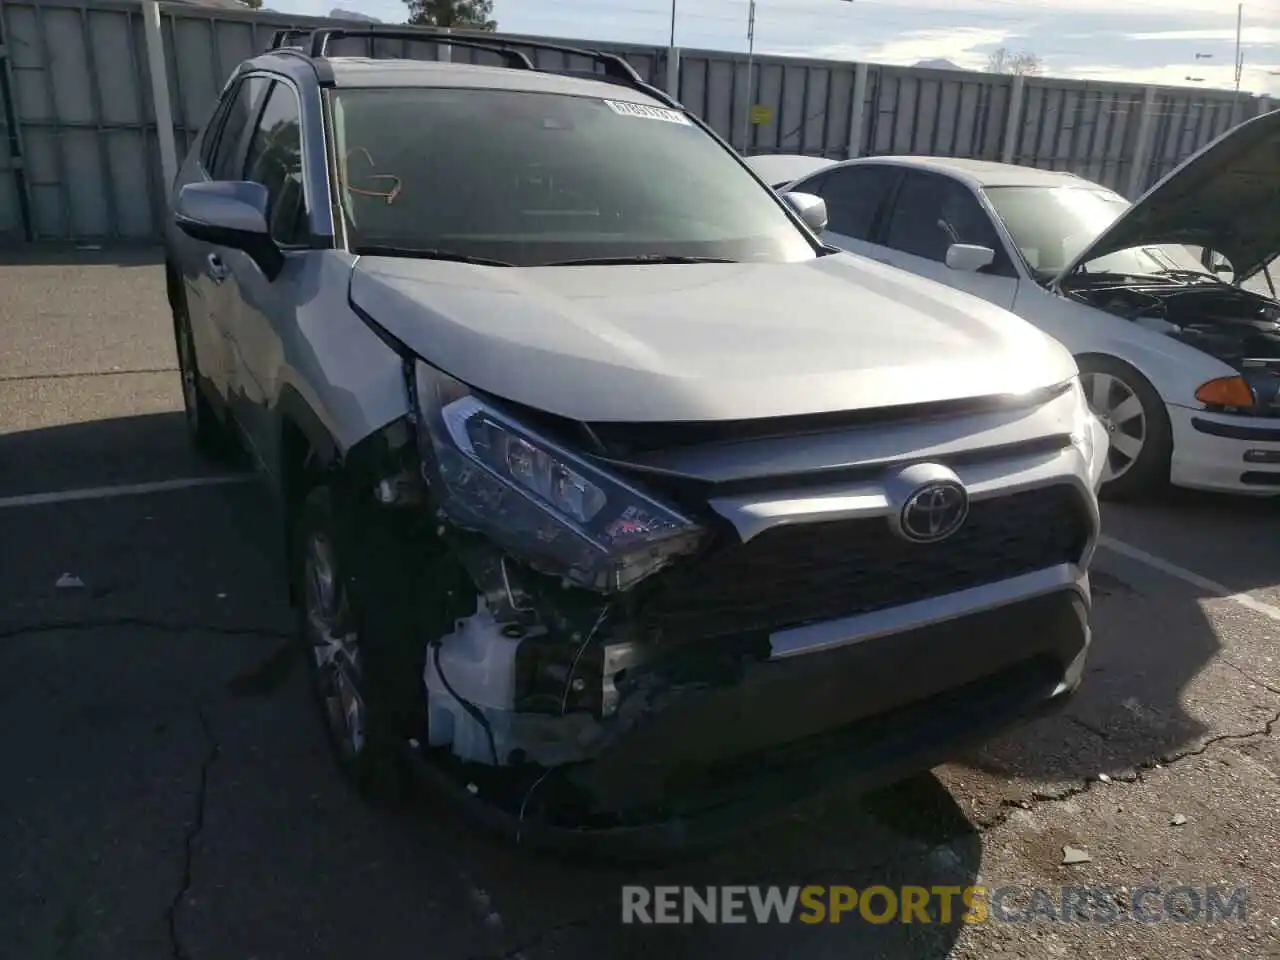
(1179, 351)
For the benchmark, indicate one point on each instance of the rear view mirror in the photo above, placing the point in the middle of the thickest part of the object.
(230, 214)
(812, 209)
(969, 257)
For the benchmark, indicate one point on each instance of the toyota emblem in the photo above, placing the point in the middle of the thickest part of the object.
(934, 511)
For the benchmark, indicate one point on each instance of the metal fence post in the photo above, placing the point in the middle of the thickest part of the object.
(673, 72)
(1013, 119)
(1142, 148)
(858, 109)
(158, 66)
(12, 142)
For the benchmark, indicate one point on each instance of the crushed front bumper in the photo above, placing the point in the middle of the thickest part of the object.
(858, 704)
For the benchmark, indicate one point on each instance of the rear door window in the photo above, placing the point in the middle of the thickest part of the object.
(854, 197)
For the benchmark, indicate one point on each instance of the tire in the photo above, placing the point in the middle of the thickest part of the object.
(384, 604)
(210, 435)
(1137, 424)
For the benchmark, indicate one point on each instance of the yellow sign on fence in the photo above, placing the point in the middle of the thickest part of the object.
(760, 114)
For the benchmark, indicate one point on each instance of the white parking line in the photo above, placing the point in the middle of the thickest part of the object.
(1190, 576)
(120, 490)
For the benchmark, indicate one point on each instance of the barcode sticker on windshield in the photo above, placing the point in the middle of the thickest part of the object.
(646, 112)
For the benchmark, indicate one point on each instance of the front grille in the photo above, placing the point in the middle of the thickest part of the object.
(805, 573)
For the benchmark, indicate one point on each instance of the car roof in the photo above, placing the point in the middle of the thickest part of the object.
(357, 72)
(983, 173)
(785, 167)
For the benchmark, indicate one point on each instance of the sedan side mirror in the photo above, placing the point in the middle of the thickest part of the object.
(969, 257)
(233, 214)
(812, 209)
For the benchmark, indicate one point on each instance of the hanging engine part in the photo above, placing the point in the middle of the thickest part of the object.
(505, 693)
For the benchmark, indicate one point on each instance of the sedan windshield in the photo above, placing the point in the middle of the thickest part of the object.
(531, 179)
(1052, 225)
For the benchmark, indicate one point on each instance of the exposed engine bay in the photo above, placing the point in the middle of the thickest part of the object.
(1236, 326)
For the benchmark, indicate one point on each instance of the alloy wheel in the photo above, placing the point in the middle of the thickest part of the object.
(334, 648)
(1120, 410)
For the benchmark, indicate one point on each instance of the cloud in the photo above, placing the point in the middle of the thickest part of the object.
(1256, 78)
(964, 46)
(1260, 35)
(1091, 39)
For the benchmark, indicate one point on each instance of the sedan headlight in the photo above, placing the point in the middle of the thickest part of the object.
(535, 499)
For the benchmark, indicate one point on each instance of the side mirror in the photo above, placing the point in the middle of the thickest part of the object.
(812, 209)
(969, 257)
(230, 214)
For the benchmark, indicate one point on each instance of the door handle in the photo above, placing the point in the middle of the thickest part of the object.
(217, 269)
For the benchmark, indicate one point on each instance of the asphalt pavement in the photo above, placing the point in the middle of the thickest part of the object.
(167, 792)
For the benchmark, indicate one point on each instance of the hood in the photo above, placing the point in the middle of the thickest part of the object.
(1226, 197)
(705, 341)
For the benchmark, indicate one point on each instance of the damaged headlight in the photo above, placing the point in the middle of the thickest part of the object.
(537, 500)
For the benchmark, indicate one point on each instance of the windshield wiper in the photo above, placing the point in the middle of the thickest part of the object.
(638, 258)
(1180, 274)
(375, 250)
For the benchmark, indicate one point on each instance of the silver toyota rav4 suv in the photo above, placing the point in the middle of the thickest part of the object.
(613, 501)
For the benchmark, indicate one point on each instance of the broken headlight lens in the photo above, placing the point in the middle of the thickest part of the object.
(537, 500)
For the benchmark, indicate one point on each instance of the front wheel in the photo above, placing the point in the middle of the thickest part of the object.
(348, 668)
(1137, 425)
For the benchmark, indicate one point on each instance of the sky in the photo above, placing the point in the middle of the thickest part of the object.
(1178, 42)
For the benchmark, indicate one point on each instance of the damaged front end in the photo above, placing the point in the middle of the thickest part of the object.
(628, 661)
(534, 678)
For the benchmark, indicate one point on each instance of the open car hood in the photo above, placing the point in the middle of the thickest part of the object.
(1225, 197)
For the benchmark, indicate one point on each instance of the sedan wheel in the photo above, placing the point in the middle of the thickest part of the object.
(1118, 407)
(1138, 430)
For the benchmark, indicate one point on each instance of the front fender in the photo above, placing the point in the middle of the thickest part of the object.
(1174, 369)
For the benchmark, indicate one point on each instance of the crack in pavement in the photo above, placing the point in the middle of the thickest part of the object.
(28, 377)
(144, 623)
(193, 832)
(1248, 675)
(1037, 798)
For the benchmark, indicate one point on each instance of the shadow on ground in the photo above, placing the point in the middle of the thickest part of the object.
(181, 624)
(1159, 682)
(89, 253)
(121, 450)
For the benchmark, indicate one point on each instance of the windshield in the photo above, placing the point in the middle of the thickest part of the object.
(1051, 225)
(532, 179)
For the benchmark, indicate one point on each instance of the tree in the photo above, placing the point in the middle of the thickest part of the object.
(252, 4)
(1023, 63)
(463, 14)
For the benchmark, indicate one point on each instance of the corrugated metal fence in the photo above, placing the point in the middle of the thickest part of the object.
(80, 158)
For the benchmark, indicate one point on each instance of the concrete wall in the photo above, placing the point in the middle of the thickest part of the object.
(80, 158)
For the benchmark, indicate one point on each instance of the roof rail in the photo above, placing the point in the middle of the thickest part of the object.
(614, 65)
(319, 41)
(289, 38)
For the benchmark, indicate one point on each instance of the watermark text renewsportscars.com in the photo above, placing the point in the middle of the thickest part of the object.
(1149, 903)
